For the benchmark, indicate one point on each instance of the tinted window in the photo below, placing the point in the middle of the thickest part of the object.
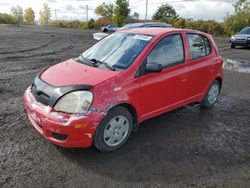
(153, 25)
(245, 31)
(196, 45)
(168, 51)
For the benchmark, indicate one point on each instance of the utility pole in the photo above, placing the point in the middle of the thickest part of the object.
(146, 14)
(55, 15)
(87, 13)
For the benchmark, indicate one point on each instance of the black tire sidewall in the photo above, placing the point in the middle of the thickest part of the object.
(204, 102)
(98, 139)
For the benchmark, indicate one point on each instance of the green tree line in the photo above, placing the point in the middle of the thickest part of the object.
(7, 19)
(120, 14)
(19, 16)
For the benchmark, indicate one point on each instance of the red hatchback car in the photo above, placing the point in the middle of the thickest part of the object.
(130, 76)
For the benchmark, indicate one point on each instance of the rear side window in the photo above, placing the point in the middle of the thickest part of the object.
(168, 51)
(207, 45)
(199, 45)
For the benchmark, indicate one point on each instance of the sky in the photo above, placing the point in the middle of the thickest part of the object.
(76, 9)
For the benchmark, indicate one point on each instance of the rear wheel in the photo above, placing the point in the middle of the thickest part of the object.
(105, 30)
(212, 95)
(114, 130)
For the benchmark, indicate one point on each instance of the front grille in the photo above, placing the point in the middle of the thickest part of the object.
(40, 96)
(240, 39)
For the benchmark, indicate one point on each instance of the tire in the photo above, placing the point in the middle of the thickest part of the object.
(113, 128)
(211, 96)
(232, 45)
(105, 30)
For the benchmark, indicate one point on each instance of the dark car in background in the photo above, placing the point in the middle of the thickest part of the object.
(241, 39)
(144, 25)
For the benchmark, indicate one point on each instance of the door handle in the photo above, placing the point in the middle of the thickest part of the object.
(184, 78)
(211, 70)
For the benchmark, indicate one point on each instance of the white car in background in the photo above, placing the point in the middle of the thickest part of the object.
(109, 28)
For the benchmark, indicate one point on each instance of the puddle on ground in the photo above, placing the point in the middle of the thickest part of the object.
(235, 65)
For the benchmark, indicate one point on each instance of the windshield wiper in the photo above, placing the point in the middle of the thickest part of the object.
(87, 61)
(103, 63)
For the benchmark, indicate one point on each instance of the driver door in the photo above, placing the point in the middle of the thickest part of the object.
(167, 89)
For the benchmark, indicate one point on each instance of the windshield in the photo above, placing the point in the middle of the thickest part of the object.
(245, 31)
(118, 50)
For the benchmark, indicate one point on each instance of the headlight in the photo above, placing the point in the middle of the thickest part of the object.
(233, 38)
(75, 102)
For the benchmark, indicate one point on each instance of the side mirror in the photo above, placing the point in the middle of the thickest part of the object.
(153, 67)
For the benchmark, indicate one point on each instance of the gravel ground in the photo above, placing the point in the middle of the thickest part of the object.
(188, 147)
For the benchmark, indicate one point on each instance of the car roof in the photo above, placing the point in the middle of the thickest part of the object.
(158, 31)
(145, 24)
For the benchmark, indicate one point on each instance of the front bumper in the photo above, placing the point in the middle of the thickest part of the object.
(66, 130)
(244, 43)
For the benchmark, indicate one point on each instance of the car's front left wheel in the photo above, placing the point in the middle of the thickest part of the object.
(114, 130)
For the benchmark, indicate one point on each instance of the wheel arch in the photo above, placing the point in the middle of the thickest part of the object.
(133, 112)
(219, 79)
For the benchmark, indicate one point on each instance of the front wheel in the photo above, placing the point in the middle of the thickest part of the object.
(212, 95)
(232, 45)
(114, 130)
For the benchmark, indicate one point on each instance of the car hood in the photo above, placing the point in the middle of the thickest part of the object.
(241, 36)
(71, 73)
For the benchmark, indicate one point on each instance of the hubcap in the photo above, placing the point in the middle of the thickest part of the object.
(116, 130)
(213, 93)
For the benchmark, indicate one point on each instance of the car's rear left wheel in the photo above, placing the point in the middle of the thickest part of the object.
(211, 95)
(114, 130)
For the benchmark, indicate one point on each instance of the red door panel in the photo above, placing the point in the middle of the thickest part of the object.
(202, 64)
(201, 72)
(162, 90)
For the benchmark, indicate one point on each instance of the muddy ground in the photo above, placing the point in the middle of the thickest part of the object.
(188, 147)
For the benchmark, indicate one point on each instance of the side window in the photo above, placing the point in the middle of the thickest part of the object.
(208, 45)
(196, 45)
(168, 51)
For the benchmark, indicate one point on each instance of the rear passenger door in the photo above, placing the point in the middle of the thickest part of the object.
(200, 64)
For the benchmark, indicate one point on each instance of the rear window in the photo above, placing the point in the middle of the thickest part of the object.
(199, 45)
